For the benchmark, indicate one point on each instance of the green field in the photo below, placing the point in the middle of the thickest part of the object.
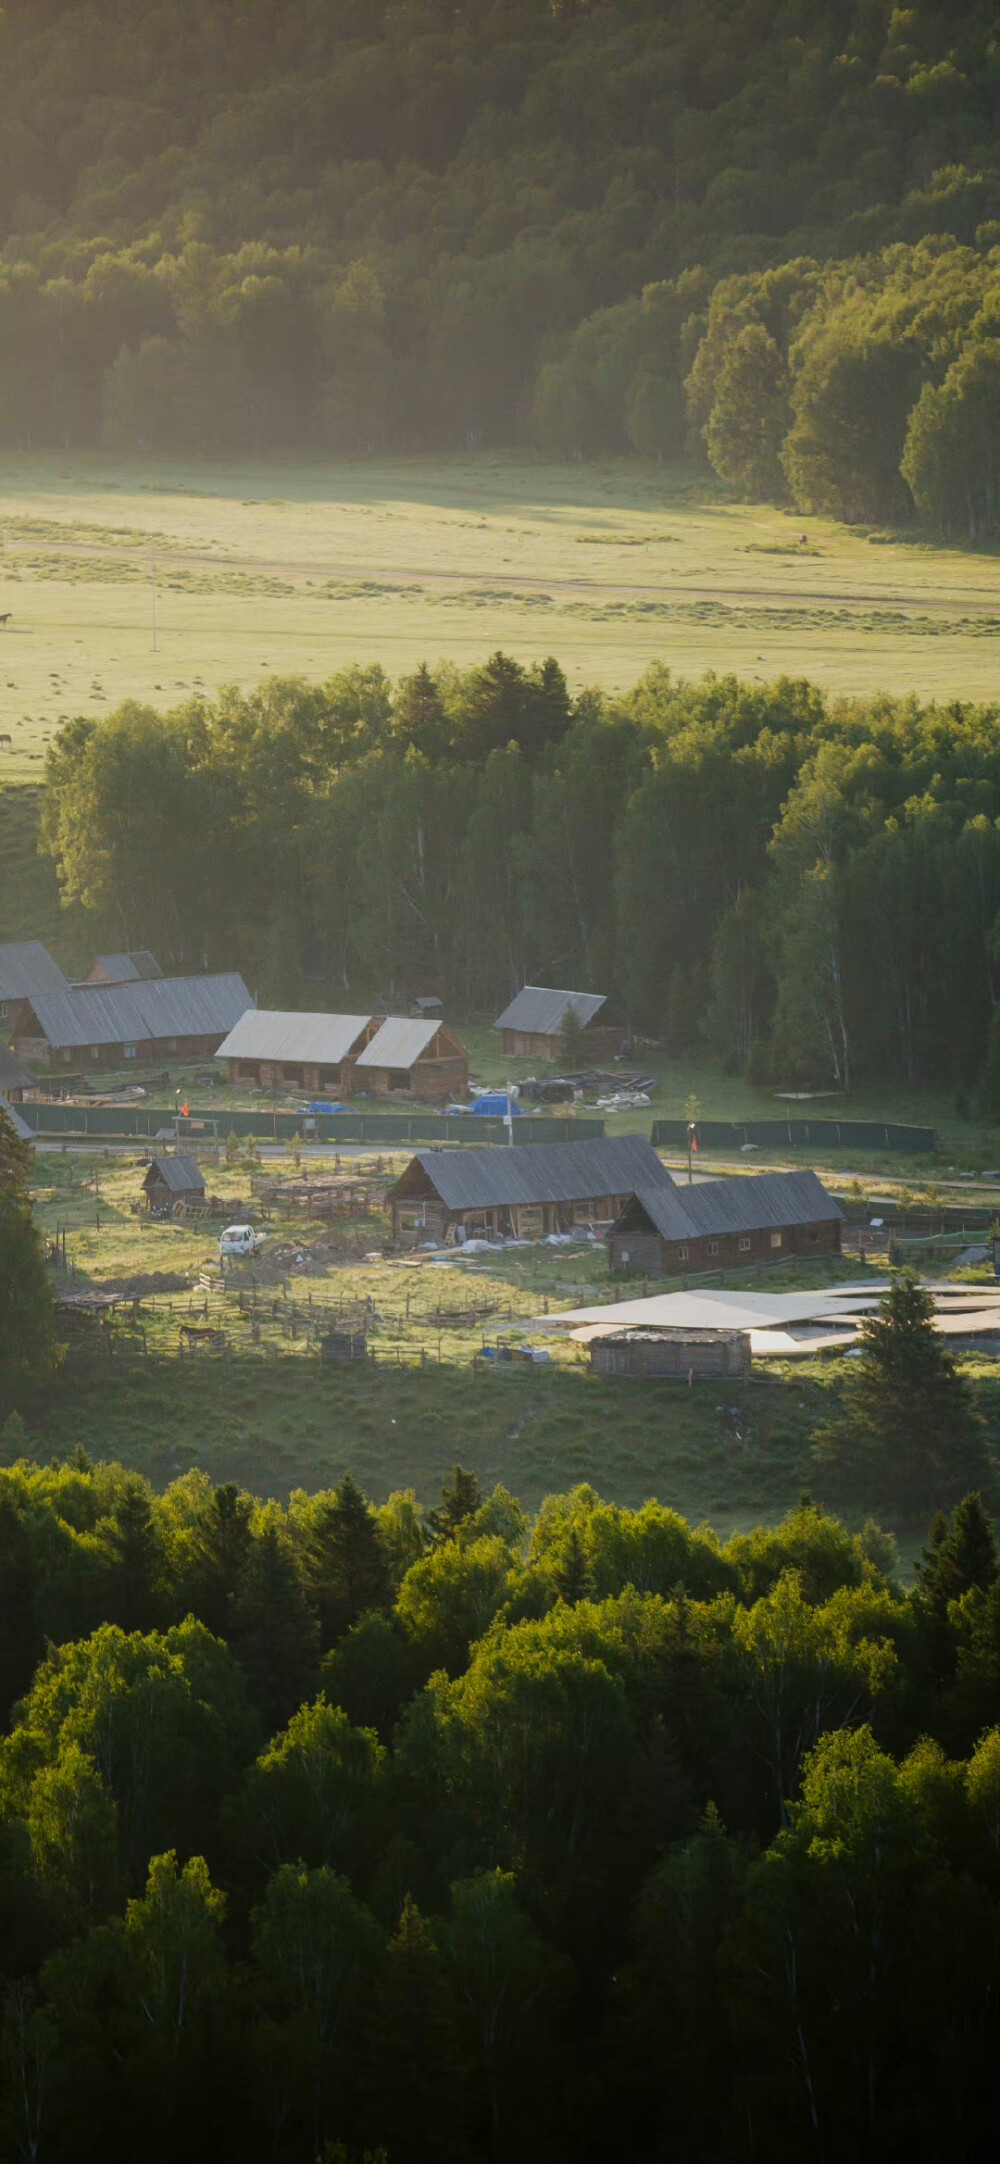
(279, 568)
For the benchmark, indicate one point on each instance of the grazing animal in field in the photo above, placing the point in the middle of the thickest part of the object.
(6, 619)
(6, 743)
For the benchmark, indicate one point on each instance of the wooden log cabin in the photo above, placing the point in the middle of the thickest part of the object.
(651, 1354)
(118, 1025)
(532, 1026)
(345, 1053)
(173, 1179)
(723, 1224)
(449, 1196)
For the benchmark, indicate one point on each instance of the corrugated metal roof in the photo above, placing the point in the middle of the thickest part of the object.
(13, 1073)
(398, 1043)
(20, 1126)
(177, 1173)
(27, 967)
(545, 1172)
(268, 1033)
(755, 1204)
(136, 968)
(540, 1010)
(132, 1013)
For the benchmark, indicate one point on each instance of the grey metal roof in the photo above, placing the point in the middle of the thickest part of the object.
(542, 1172)
(540, 1010)
(14, 1075)
(758, 1203)
(132, 1013)
(268, 1033)
(133, 968)
(27, 967)
(177, 1173)
(398, 1043)
(20, 1126)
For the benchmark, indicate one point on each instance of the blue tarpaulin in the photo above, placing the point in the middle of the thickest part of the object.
(496, 1106)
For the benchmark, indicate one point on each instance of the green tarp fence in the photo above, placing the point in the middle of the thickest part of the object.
(797, 1134)
(393, 1129)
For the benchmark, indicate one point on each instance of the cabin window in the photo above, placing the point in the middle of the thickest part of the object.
(744, 1243)
(713, 1247)
(130, 1051)
(775, 1239)
(95, 1051)
(682, 1254)
(411, 1220)
(4, 1010)
(399, 1080)
(330, 1077)
(171, 1044)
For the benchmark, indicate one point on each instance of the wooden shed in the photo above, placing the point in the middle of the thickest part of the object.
(279, 1048)
(532, 1026)
(664, 1355)
(173, 1179)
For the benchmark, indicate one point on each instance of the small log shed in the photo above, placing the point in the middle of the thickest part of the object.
(665, 1355)
(173, 1179)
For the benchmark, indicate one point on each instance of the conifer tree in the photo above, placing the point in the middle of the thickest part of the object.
(346, 1569)
(20, 1632)
(908, 1431)
(460, 1500)
(29, 1350)
(572, 1042)
(224, 1542)
(274, 1636)
(573, 1575)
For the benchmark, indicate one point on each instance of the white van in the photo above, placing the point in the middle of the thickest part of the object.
(240, 1240)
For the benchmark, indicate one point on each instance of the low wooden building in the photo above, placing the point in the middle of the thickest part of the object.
(664, 1355)
(168, 1018)
(532, 1026)
(277, 1049)
(721, 1224)
(317, 1053)
(15, 1077)
(136, 968)
(173, 1179)
(26, 967)
(413, 1059)
(23, 1132)
(528, 1193)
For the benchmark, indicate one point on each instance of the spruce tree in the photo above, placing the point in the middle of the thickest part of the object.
(274, 1636)
(959, 1555)
(223, 1545)
(21, 1642)
(572, 1042)
(29, 1349)
(908, 1432)
(418, 2081)
(131, 1545)
(460, 1500)
(345, 1567)
(573, 1575)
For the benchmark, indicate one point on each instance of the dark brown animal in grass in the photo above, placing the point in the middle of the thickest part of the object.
(6, 619)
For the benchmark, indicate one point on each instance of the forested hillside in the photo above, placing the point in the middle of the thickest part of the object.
(331, 1833)
(809, 888)
(276, 223)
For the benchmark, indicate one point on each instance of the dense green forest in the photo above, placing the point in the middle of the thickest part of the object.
(274, 223)
(332, 1831)
(808, 888)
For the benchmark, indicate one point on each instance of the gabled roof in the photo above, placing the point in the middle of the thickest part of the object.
(540, 1011)
(269, 1033)
(20, 1126)
(131, 1013)
(398, 1043)
(541, 1172)
(27, 967)
(134, 968)
(758, 1203)
(13, 1073)
(177, 1173)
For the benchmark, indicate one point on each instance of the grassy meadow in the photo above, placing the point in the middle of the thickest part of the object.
(265, 1410)
(301, 567)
